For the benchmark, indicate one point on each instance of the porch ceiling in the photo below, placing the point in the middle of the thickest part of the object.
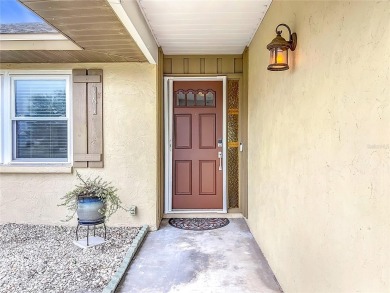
(185, 27)
(90, 24)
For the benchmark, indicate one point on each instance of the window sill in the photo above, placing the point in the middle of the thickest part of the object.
(36, 169)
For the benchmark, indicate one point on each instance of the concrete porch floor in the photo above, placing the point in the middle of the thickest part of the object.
(222, 260)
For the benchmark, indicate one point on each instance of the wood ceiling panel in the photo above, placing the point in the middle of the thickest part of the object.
(80, 13)
(77, 33)
(57, 5)
(105, 42)
(60, 57)
(91, 24)
(102, 27)
(94, 38)
(87, 20)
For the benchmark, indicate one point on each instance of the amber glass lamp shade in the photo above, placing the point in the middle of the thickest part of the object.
(278, 60)
(278, 49)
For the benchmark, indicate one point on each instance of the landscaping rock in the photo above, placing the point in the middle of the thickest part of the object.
(41, 258)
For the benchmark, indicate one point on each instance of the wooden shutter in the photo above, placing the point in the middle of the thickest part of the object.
(88, 118)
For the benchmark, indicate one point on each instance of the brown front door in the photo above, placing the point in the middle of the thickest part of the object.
(197, 145)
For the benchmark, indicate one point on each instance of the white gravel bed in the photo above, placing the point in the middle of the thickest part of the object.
(40, 258)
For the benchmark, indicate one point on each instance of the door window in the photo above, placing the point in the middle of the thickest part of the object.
(188, 98)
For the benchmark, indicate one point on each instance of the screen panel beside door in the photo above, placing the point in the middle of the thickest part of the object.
(197, 176)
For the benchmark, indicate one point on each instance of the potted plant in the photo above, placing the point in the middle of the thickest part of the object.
(94, 200)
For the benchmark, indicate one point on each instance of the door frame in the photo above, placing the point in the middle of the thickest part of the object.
(168, 136)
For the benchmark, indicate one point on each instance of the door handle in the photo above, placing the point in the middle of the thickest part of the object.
(220, 161)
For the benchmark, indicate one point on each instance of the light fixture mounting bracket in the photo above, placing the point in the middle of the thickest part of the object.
(292, 36)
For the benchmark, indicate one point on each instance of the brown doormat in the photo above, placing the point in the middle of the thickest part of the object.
(198, 224)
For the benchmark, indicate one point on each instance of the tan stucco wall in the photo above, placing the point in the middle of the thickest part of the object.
(319, 147)
(130, 149)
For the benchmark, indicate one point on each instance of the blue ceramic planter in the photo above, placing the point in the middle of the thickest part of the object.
(88, 210)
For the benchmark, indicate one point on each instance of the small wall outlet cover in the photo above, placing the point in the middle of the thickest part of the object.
(133, 210)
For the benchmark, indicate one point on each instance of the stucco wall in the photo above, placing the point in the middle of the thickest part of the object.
(129, 152)
(319, 147)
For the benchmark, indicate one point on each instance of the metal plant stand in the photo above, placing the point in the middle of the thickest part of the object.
(88, 225)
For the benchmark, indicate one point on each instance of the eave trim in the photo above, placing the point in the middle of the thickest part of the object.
(129, 25)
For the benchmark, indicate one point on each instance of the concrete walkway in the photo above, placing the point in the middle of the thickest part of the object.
(222, 260)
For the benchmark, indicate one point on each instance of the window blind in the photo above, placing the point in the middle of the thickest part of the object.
(40, 123)
(40, 98)
(41, 139)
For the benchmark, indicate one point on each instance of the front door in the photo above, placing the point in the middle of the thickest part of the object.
(197, 176)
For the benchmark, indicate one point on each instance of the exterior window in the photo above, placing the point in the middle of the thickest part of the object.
(38, 126)
(181, 99)
(210, 100)
(1, 118)
(191, 98)
(200, 99)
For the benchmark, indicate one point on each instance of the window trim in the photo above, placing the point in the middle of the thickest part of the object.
(7, 109)
(40, 41)
(2, 137)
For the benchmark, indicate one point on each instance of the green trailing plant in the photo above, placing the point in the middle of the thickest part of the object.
(97, 187)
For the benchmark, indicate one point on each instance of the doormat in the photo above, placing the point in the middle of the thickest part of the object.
(198, 224)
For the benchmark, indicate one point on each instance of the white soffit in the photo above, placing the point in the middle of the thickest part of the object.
(188, 27)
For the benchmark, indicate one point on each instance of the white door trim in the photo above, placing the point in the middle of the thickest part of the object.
(168, 126)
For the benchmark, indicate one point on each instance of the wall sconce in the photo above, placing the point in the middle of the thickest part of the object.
(278, 49)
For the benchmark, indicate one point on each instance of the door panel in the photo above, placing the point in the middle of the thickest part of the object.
(183, 171)
(207, 184)
(207, 131)
(183, 131)
(197, 124)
